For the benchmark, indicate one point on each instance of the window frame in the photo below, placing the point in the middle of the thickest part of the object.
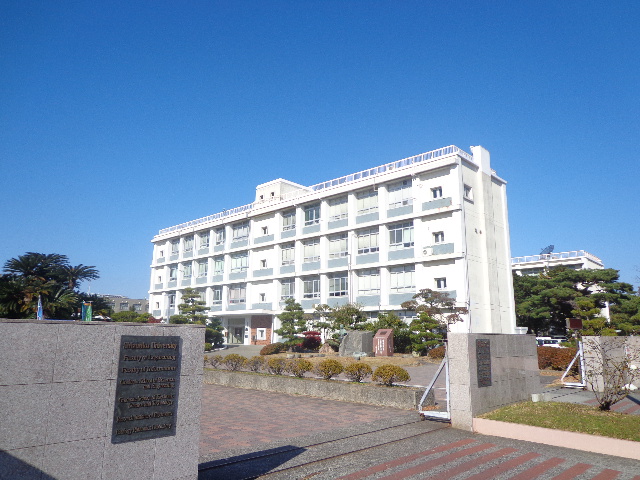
(312, 214)
(406, 235)
(370, 234)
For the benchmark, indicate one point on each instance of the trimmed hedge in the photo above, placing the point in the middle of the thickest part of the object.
(357, 371)
(273, 348)
(436, 353)
(298, 367)
(234, 362)
(390, 374)
(329, 368)
(555, 358)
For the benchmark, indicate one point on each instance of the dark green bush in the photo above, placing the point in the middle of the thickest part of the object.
(298, 367)
(390, 374)
(255, 364)
(276, 365)
(234, 362)
(273, 348)
(207, 347)
(357, 371)
(328, 368)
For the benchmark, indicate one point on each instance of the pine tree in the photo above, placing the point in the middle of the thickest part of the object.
(292, 320)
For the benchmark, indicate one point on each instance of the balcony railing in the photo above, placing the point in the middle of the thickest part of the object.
(371, 172)
(555, 256)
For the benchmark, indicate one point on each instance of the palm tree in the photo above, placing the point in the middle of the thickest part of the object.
(72, 276)
(36, 265)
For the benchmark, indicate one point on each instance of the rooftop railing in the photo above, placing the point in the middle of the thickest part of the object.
(371, 172)
(555, 256)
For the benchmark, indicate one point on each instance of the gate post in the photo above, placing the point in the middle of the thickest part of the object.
(487, 371)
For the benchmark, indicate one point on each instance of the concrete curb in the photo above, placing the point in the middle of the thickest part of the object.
(558, 438)
(399, 397)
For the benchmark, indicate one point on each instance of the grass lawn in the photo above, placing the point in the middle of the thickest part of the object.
(570, 417)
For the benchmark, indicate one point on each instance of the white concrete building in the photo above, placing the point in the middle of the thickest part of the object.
(576, 260)
(436, 220)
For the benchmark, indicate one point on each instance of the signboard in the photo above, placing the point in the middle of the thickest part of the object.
(574, 323)
(147, 388)
(483, 362)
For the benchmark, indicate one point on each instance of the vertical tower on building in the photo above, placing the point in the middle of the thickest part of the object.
(436, 220)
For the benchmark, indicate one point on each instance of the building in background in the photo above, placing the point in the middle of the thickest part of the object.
(119, 303)
(576, 260)
(437, 220)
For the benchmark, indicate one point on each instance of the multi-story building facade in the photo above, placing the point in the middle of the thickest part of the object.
(119, 303)
(376, 237)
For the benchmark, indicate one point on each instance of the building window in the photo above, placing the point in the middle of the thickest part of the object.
(265, 230)
(338, 285)
(289, 220)
(240, 231)
(287, 288)
(400, 194)
(263, 297)
(368, 240)
(203, 269)
(240, 262)
(288, 252)
(217, 295)
(261, 334)
(263, 263)
(438, 237)
(311, 250)
(338, 246)
(338, 208)
(441, 282)
(204, 240)
(188, 244)
(161, 254)
(237, 293)
(175, 246)
(186, 271)
(401, 235)
(367, 201)
(468, 192)
(369, 282)
(157, 305)
(159, 279)
(137, 307)
(311, 287)
(312, 214)
(124, 306)
(173, 273)
(172, 300)
(220, 236)
(218, 265)
(436, 192)
(402, 279)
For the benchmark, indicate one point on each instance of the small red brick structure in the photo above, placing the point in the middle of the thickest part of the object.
(383, 343)
(260, 330)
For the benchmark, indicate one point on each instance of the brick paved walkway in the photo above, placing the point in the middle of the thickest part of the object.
(235, 418)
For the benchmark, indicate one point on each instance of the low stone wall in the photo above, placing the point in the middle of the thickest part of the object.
(371, 394)
(58, 384)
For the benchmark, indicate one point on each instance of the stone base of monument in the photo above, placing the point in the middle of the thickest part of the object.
(99, 400)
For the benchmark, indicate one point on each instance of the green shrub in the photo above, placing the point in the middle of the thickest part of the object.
(255, 364)
(276, 365)
(215, 360)
(298, 367)
(328, 368)
(207, 347)
(272, 348)
(234, 362)
(390, 374)
(436, 353)
(357, 371)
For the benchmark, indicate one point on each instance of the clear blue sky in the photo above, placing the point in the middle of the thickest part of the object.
(120, 118)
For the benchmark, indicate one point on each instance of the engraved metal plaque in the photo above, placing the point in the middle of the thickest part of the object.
(147, 388)
(483, 362)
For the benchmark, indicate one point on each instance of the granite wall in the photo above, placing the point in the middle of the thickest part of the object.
(487, 371)
(57, 394)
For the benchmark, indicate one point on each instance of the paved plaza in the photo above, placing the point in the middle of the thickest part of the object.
(256, 434)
